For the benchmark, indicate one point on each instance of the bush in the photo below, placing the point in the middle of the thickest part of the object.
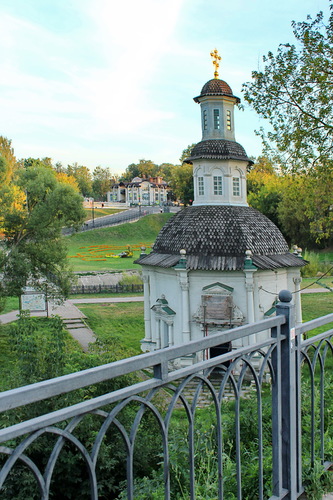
(316, 267)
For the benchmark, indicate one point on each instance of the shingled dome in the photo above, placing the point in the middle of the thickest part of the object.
(217, 237)
(215, 87)
(218, 149)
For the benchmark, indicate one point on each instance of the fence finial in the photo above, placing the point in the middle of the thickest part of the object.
(285, 296)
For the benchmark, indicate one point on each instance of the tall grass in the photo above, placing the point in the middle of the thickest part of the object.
(317, 266)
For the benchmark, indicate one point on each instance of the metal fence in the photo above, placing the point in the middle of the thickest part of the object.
(82, 289)
(193, 425)
(128, 215)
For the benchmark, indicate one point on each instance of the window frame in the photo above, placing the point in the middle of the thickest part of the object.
(228, 120)
(217, 123)
(201, 186)
(236, 186)
(218, 185)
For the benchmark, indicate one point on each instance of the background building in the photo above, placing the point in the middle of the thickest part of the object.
(152, 191)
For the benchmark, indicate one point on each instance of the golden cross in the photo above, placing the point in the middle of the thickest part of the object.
(215, 55)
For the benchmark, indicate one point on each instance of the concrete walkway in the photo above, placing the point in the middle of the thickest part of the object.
(74, 319)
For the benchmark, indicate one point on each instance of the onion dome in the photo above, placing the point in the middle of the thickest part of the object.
(220, 149)
(217, 238)
(216, 87)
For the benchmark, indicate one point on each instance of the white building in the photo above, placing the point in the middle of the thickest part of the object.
(218, 263)
(152, 191)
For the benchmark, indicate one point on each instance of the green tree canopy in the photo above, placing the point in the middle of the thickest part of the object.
(8, 160)
(34, 208)
(265, 188)
(305, 210)
(182, 183)
(145, 168)
(101, 182)
(294, 92)
(186, 152)
(83, 178)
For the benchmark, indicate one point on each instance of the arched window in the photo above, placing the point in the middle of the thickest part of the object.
(201, 187)
(228, 120)
(236, 186)
(204, 119)
(217, 185)
(216, 119)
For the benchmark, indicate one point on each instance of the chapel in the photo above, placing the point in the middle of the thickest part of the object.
(218, 263)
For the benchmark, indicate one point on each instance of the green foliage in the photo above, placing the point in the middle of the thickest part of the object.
(182, 183)
(9, 304)
(294, 93)
(101, 182)
(265, 189)
(82, 176)
(316, 266)
(39, 349)
(38, 345)
(7, 160)
(122, 323)
(305, 209)
(131, 279)
(186, 152)
(145, 168)
(100, 212)
(70, 474)
(299, 204)
(33, 248)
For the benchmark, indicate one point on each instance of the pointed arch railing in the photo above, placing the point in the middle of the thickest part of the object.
(188, 410)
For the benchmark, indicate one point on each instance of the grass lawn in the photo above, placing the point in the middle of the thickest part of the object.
(100, 212)
(316, 304)
(123, 321)
(312, 282)
(12, 304)
(92, 250)
(326, 255)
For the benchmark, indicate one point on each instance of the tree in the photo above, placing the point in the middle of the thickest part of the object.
(34, 208)
(101, 182)
(145, 168)
(68, 179)
(165, 171)
(83, 177)
(186, 152)
(294, 92)
(265, 188)
(8, 159)
(182, 183)
(305, 210)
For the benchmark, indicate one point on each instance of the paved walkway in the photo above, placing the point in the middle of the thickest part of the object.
(73, 318)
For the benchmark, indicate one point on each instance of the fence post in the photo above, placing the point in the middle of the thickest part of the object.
(289, 392)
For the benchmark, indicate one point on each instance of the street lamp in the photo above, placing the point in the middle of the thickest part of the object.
(92, 210)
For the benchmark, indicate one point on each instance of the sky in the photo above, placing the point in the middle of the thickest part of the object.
(109, 82)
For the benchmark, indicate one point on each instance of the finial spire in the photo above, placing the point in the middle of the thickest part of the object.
(215, 55)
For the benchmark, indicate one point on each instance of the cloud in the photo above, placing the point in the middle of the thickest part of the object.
(46, 82)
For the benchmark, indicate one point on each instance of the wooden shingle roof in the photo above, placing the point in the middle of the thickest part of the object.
(216, 238)
(216, 87)
(220, 149)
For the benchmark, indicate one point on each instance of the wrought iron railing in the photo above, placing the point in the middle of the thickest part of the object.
(227, 427)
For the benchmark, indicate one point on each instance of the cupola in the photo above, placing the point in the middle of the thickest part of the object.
(219, 162)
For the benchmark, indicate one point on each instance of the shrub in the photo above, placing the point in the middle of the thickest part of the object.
(315, 267)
